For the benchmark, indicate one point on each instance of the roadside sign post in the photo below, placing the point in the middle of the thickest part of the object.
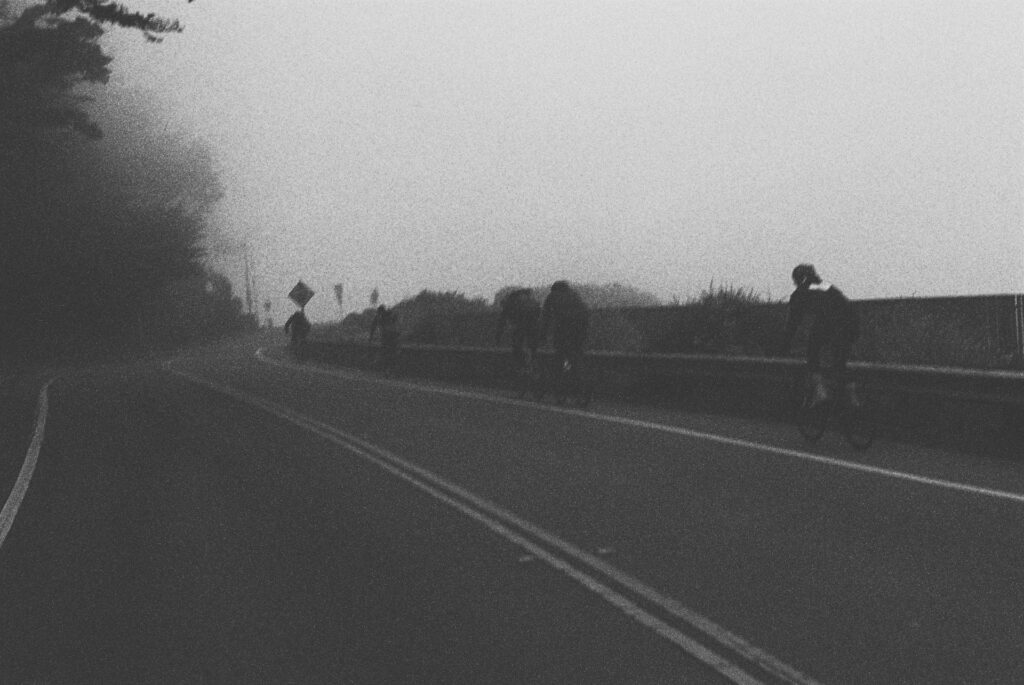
(339, 294)
(301, 294)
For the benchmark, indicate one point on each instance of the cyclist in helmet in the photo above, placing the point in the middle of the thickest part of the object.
(833, 325)
(522, 312)
(566, 316)
(387, 321)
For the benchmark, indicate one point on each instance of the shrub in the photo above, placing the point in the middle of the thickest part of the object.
(730, 320)
(612, 330)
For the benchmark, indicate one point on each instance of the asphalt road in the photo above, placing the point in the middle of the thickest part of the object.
(226, 518)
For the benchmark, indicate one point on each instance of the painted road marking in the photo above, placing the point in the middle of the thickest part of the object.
(28, 467)
(664, 428)
(532, 539)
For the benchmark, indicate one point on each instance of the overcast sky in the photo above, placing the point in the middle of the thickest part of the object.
(467, 146)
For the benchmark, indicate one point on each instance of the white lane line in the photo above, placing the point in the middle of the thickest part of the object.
(28, 467)
(507, 524)
(676, 430)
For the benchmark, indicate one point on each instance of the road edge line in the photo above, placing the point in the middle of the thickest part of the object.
(678, 430)
(28, 467)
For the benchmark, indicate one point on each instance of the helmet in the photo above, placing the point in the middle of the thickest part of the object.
(559, 285)
(804, 273)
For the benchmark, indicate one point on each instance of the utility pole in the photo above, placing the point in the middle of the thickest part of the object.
(1018, 316)
(248, 284)
(339, 295)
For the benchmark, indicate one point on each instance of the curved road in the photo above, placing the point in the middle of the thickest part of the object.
(232, 517)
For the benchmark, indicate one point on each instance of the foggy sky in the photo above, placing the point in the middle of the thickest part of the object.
(467, 146)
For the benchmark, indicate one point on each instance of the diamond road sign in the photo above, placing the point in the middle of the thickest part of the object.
(301, 294)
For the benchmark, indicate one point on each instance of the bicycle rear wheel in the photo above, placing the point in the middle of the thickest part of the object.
(811, 421)
(583, 391)
(572, 392)
(860, 426)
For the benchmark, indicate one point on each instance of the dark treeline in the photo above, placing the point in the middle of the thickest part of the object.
(451, 318)
(429, 317)
(972, 331)
(101, 238)
(596, 295)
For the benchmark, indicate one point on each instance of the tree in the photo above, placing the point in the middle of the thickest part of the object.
(198, 308)
(597, 296)
(505, 291)
(41, 62)
(100, 12)
(615, 296)
(433, 317)
(52, 47)
(95, 232)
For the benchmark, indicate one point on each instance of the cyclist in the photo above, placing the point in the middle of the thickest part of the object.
(298, 326)
(834, 325)
(387, 320)
(522, 311)
(566, 316)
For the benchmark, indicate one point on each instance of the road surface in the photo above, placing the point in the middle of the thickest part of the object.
(228, 516)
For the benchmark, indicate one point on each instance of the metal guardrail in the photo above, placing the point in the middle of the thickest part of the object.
(972, 410)
(973, 385)
(969, 385)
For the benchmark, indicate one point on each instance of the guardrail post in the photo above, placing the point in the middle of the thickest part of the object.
(1018, 318)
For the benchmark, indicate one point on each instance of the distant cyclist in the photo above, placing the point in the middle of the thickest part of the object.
(387, 321)
(521, 311)
(298, 326)
(566, 317)
(834, 325)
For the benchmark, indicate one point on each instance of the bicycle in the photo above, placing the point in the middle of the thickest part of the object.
(857, 422)
(569, 382)
(526, 378)
(384, 358)
(297, 347)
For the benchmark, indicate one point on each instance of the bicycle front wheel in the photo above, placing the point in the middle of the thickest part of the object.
(531, 385)
(859, 426)
(584, 392)
(560, 392)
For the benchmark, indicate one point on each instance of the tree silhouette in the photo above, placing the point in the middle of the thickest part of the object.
(95, 234)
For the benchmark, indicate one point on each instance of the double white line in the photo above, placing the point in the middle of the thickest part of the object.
(727, 653)
(670, 429)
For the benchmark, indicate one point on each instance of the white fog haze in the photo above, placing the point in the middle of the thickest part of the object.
(470, 146)
(680, 341)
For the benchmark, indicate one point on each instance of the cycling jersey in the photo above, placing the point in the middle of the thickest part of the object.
(298, 325)
(567, 317)
(834, 322)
